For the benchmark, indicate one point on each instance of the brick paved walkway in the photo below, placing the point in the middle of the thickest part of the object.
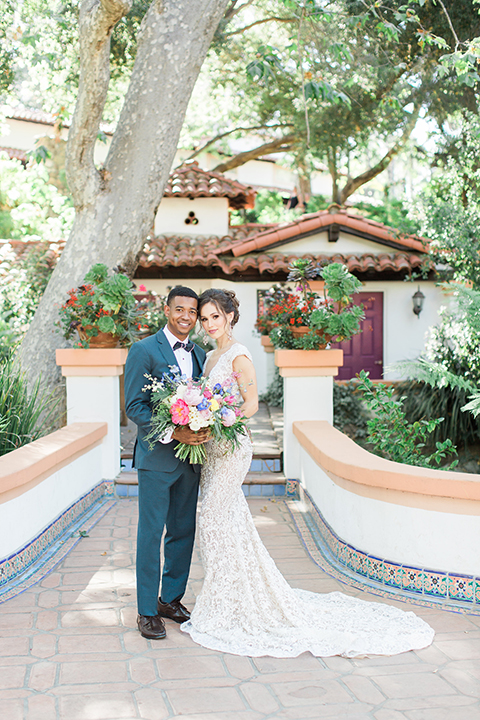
(69, 650)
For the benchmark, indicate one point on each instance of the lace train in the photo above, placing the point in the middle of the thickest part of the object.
(246, 607)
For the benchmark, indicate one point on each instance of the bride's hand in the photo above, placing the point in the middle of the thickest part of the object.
(189, 437)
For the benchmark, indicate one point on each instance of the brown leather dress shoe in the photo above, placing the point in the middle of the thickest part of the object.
(174, 611)
(151, 627)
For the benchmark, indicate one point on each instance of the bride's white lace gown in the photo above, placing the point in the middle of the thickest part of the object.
(246, 607)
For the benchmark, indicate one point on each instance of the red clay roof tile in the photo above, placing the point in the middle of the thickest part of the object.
(190, 181)
(347, 221)
(211, 252)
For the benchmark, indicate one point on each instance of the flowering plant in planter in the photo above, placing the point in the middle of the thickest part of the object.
(150, 307)
(102, 309)
(309, 320)
(271, 303)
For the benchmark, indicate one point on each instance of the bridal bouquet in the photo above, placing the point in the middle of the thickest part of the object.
(197, 404)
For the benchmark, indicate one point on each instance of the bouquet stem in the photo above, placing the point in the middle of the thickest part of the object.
(195, 454)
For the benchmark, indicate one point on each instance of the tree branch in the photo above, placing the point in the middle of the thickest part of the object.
(456, 38)
(233, 10)
(356, 182)
(229, 132)
(96, 23)
(260, 22)
(275, 146)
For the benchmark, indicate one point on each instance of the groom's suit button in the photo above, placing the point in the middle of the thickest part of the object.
(151, 627)
(174, 611)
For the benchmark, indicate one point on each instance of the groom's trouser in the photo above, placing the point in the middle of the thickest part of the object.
(165, 500)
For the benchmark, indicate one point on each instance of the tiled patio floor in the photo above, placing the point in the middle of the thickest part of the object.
(69, 650)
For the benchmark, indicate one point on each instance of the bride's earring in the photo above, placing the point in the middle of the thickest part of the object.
(204, 337)
(230, 331)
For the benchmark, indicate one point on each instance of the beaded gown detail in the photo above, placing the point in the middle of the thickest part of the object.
(246, 607)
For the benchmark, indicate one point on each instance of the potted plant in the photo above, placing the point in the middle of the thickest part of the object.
(272, 298)
(150, 307)
(102, 311)
(310, 321)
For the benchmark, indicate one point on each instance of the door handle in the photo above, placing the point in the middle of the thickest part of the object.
(378, 362)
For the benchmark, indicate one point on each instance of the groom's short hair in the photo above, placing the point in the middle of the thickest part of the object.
(181, 291)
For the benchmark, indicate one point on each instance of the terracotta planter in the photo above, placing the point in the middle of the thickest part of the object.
(267, 344)
(102, 340)
(308, 363)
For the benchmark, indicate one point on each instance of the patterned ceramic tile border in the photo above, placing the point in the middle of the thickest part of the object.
(40, 549)
(421, 586)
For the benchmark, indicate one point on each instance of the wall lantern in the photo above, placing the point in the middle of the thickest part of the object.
(418, 299)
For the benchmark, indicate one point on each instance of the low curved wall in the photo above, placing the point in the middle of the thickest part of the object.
(41, 480)
(421, 518)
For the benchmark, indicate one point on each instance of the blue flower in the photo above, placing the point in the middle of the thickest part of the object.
(217, 388)
(204, 405)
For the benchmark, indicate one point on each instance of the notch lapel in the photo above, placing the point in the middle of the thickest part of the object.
(198, 361)
(166, 348)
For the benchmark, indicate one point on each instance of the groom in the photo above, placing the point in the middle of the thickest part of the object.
(167, 487)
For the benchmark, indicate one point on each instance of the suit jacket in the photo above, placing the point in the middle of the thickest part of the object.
(153, 355)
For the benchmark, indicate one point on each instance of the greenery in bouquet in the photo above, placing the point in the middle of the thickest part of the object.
(197, 404)
(328, 317)
(102, 304)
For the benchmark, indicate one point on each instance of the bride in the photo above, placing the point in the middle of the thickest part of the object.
(246, 607)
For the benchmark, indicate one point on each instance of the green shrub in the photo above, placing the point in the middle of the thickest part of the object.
(392, 436)
(24, 416)
(274, 393)
(349, 413)
(424, 401)
(447, 373)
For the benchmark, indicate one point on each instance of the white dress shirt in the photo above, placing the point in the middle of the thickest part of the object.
(184, 362)
(184, 358)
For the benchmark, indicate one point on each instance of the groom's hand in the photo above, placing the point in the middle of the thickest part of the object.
(189, 437)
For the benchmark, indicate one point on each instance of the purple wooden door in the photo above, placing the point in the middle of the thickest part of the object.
(365, 350)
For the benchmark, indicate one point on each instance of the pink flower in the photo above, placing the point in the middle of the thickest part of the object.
(142, 288)
(192, 396)
(180, 413)
(207, 394)
(228, 417)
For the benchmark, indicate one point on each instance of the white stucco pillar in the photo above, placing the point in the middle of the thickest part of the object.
(93, 395)
(308, 395)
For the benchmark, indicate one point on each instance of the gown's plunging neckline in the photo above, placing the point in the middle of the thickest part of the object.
(219, 358)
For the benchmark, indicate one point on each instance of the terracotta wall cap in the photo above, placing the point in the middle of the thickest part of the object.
(23, 465)
(91, 357)
(337, 454)
(309, 358)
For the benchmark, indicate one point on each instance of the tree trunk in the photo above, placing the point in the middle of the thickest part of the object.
(304, 189)
(333, 170)
(116, 205)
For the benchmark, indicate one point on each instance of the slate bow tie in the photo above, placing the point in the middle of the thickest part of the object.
(188, 346)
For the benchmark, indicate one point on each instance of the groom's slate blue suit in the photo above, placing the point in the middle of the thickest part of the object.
(167, 487)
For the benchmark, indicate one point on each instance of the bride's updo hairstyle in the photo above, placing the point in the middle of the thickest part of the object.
(224, 300)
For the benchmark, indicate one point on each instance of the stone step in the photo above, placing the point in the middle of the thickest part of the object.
(265, 478)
